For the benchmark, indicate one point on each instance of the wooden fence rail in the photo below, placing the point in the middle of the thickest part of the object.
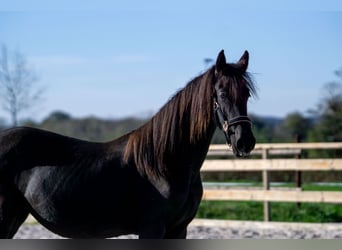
(266, 165)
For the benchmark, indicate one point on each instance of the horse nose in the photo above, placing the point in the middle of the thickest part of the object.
(245, 144)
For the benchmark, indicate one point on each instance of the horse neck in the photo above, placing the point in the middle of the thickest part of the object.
(193, 127)
(195, 152)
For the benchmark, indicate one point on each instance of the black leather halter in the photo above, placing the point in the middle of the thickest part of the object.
(224, 122)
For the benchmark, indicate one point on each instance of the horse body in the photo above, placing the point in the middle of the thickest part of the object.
(59, 179)
(81, 189)
(146, 182)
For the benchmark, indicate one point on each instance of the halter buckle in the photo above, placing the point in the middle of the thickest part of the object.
(225, 126)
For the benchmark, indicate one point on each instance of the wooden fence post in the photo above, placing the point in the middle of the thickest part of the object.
(298, 174)
(266, 185)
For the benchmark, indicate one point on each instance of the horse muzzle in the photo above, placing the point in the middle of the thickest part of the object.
(242, 140)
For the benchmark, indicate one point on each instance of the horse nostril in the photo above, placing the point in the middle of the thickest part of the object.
(240, 145)
(245, 146)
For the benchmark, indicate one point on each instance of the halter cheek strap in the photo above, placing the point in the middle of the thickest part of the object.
(221, 117)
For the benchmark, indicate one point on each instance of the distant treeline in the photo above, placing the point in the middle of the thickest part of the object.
(88, 128)
(266, 129)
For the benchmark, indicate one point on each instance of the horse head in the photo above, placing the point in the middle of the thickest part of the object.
(232, 89)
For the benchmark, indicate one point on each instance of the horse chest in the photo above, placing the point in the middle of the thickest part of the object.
(187, 205)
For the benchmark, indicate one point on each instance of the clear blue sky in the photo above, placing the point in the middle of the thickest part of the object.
(119, 59)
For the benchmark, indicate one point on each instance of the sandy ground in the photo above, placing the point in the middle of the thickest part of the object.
(215, 229)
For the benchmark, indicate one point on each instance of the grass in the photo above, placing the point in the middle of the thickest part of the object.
(286, 212)
(280, 211)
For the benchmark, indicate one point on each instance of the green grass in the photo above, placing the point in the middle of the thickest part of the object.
(280, 211)
(311, 187)
(286, 212)
(230, 210)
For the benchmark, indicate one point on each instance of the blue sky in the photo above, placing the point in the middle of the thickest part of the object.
(114, 60)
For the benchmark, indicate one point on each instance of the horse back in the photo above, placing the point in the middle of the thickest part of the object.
(23, 148)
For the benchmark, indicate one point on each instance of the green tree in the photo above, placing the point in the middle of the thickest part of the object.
(57, 116)
(261, 129)
(328, 127)
(329, 112)
(296, 125)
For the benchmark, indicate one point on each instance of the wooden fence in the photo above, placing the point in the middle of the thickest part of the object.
(265, 165)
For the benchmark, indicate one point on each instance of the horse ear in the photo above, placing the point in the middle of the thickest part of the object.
(243, 62)
(220, 61)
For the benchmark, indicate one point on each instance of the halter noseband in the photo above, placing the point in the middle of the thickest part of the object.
(225, 122)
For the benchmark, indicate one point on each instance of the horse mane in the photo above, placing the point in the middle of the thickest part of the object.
(181, 122)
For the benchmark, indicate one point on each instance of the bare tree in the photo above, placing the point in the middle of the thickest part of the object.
(17, 80)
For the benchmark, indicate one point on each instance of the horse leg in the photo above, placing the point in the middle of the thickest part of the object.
(176, 233)
(13, 212)
(152, 230)
(158, 231)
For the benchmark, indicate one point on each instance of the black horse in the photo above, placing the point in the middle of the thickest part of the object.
(146, 182)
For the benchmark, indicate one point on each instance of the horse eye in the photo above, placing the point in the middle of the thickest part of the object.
(223, 95)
